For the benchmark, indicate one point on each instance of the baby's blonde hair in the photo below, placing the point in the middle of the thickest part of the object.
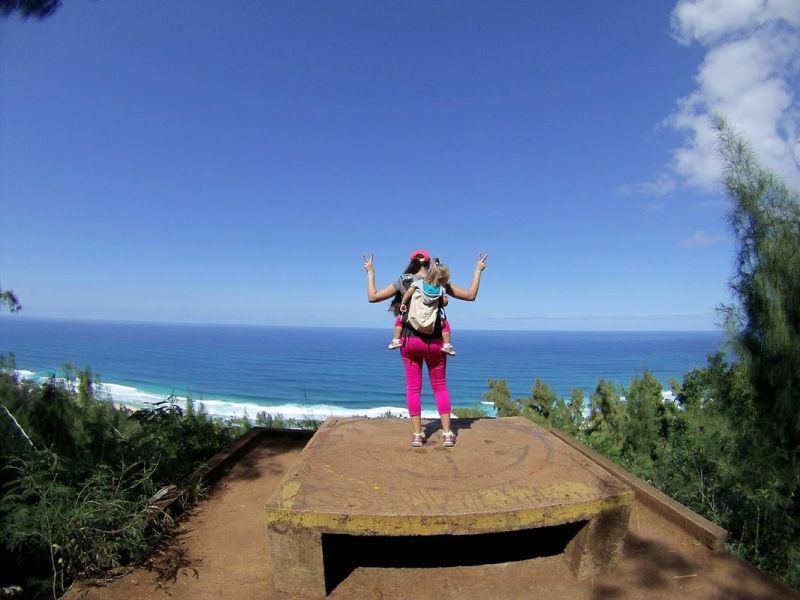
(438, 273)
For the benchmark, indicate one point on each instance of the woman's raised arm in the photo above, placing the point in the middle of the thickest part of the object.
(374, 295)
(470, 294)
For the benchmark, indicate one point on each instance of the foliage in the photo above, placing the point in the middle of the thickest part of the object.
(473, 412)
(103, 522)
(8, 298)
(76, 494)
(765, 321)
(539, 406)
(720, 462)
(278, 421)
(29, 8)
(500, 395)
(764, 324)
(605, 430)
(568, 416)
(541, 402)
(649, 422)
(179, 441)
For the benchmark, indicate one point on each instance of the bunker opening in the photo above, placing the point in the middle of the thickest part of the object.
(342, 554)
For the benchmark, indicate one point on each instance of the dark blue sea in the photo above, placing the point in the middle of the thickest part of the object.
(332, 371)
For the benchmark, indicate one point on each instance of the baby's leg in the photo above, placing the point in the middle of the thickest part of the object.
(446, 328)
(398, 331)
(447, 339)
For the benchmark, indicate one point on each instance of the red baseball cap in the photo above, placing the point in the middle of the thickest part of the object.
(425, 256)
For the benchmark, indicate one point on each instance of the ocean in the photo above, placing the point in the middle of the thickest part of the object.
(320, 372)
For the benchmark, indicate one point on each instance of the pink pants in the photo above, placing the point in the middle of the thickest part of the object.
(414, 352)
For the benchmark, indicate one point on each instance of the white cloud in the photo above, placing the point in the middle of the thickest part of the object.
(706, 21)
(698, 160)
(701, 239)
(749, 76)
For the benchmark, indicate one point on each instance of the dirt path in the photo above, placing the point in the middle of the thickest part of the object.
(221, 548)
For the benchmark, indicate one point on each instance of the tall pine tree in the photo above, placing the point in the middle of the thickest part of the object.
(765, 320)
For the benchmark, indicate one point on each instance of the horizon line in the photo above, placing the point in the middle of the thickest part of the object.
(369, 327)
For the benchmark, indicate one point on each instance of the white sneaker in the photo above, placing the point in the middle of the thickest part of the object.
(448, 349)
(394, 344)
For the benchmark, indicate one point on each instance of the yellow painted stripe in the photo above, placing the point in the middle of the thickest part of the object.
(446, 524)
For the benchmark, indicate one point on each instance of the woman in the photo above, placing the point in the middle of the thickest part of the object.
(421, 348)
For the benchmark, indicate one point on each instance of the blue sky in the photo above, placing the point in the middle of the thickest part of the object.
(179, 162)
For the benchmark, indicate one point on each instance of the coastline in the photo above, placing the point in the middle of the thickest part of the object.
(120, 397)
(129, 398)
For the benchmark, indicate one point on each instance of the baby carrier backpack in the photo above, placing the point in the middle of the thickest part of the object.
(422, 316)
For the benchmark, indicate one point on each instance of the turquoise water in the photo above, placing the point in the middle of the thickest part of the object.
(322, 371)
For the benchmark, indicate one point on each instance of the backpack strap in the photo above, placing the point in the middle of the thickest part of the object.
(442, 315)
(406, 279)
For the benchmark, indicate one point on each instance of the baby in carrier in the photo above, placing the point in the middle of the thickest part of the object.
(422, 306)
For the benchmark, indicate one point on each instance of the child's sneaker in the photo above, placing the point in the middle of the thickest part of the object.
(448, 439)
(448, 348)
(418, 439)
(394, 344)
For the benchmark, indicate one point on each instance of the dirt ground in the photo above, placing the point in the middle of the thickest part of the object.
(220, 551)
